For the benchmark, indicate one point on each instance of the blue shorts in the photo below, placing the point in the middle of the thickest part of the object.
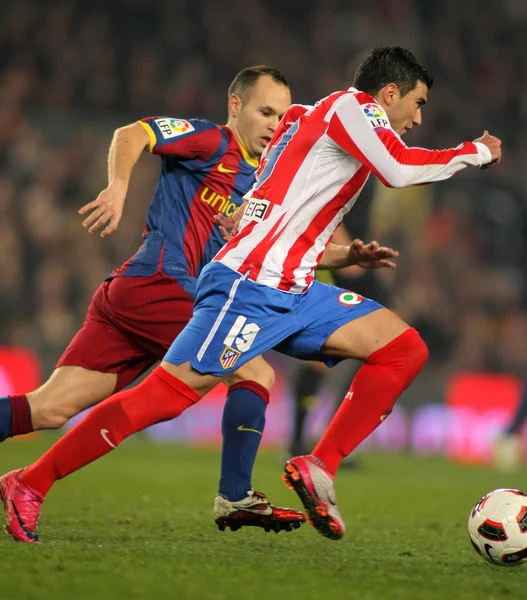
(236, 319)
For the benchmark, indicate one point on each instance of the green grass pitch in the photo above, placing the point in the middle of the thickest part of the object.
(138, 525)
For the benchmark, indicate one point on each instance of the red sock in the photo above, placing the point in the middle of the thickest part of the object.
(378, 383)
(159, 397)
(21, 415)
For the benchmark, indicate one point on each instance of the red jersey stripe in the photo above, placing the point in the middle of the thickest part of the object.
(253, 262)
(306, 241)
(420, 156)
(235, 241)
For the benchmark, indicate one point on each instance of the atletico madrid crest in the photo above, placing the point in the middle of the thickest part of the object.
(228, 357)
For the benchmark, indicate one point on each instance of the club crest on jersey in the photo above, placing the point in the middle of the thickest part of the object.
(350, 298)
(228, 357)
(375, 115)
(171, 128)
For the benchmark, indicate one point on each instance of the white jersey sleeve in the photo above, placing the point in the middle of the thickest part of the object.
(361, 128)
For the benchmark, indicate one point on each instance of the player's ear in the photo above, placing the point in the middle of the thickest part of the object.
(235, 104)
(390, 93)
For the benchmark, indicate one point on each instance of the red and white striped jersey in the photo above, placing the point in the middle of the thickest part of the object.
(311, 175)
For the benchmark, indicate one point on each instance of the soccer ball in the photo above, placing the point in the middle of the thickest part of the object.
(497, 527)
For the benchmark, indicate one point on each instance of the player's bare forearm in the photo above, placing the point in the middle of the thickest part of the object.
(106, 210)
(335, 257)
(367, 256)
(127, 145)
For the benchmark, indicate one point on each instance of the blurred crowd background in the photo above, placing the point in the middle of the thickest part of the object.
(72, 71)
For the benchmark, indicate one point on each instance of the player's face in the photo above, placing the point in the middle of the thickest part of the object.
(258, 117)
(405, 111)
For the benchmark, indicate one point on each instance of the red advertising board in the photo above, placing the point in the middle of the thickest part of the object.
(480, 405)
(20, 370)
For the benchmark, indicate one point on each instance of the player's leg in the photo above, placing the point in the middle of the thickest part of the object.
(237, 504)
(68, 391)
(393, 354)
(242, 426)
(139, 317)
(158, 398)
(107, 340)
(99, 360)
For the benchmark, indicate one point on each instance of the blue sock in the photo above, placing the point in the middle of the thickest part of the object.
(242, 427)
(6, 416)
(521, 413)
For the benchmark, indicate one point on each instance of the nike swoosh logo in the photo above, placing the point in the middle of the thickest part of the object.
(242, 428)
(104, 435)
(487, 547)
(222, 169)
(30, 534)
(255, 511)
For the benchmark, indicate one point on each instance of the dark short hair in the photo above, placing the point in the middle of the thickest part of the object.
(391, 64)
(247, 78)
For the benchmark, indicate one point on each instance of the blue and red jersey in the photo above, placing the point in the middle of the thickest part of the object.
(204, 171)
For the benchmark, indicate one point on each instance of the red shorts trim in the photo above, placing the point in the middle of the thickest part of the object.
(130, 324)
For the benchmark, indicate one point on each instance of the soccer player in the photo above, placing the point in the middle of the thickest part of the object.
(259, 291)
(143, 305)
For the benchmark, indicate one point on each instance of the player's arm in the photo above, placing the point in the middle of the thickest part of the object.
(125, 149)
(337, 253)
(356, 252)
(195, 139)
(353, 255)
(372, 141)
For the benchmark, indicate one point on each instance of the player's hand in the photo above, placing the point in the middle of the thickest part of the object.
(229, 225)
(372, 255)
(494, 145)
(107, 210)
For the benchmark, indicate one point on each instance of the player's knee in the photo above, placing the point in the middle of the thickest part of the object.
(422, 353)
(404, 357)
(267, 377)
(262, 374)
(416, 354)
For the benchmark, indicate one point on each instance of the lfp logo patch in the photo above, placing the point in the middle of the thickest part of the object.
(228, 357)
(373, 110)
(350, 298)
(171, 128)
(375, 115)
